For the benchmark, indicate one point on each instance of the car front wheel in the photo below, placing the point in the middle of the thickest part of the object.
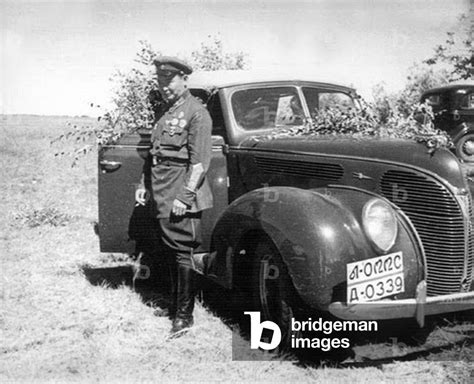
(273, 293)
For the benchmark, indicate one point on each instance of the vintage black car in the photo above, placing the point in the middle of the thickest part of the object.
(360, 229)
(453, 107)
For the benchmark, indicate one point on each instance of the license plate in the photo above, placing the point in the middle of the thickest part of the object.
(375, 278)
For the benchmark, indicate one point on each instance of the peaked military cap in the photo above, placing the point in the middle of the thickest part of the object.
(168, 66)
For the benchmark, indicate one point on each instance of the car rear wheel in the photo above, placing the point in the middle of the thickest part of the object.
(465, 148)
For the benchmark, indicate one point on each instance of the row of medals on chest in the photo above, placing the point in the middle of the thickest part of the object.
(176, 124)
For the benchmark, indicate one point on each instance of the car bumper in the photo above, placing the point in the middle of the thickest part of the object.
(418, 308)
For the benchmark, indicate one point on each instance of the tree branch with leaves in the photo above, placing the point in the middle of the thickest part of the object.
(134, 95)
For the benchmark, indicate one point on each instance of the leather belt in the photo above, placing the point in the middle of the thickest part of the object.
(169, 161)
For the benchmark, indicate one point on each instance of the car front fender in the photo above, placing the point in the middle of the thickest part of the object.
(317, 232)
(461, 130)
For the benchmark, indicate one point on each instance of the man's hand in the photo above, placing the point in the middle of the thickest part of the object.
(179, 208)
(141, 196)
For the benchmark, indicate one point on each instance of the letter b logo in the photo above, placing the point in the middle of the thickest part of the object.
(256, 330)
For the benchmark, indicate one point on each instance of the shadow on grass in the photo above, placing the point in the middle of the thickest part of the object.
(399, 341)
(150, 282)
(112, 277)
(442, 339)
(432, 353)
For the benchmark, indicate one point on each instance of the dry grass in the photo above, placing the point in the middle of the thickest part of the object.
(57, 326)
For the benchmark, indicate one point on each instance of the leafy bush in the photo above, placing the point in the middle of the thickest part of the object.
(134, 96)
(135, 101)
(420, 78)
(456, 53)
(367, 122)
(452, 60)
(212, 57)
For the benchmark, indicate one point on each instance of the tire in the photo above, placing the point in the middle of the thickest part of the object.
(272, 292)
(465, 148)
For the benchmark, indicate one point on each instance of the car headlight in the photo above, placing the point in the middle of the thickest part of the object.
(380, 224)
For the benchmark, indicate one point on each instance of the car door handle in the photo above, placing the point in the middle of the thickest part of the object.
(109, 165)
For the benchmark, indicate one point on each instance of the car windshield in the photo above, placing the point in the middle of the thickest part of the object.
(259, 108)
(320, 100)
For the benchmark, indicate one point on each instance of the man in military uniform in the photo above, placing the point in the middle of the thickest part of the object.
(180, 157)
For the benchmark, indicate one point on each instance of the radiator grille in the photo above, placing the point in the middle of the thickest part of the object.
(439, 221)
(470, 262)
(325, 171)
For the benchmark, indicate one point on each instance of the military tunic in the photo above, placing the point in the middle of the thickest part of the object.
(180, 140)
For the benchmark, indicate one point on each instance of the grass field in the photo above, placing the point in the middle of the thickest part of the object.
(57, 325)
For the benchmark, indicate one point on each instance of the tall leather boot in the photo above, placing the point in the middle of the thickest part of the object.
(173, 288)
(170, 311)
(185, 295)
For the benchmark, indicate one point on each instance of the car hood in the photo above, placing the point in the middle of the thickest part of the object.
(407, 152)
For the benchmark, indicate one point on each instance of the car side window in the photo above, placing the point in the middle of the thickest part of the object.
(467, 101)
(437, 101)
(260, 108)
(320, 100)
(433, 100)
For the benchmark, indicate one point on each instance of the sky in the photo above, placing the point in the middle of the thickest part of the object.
(57, 57)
